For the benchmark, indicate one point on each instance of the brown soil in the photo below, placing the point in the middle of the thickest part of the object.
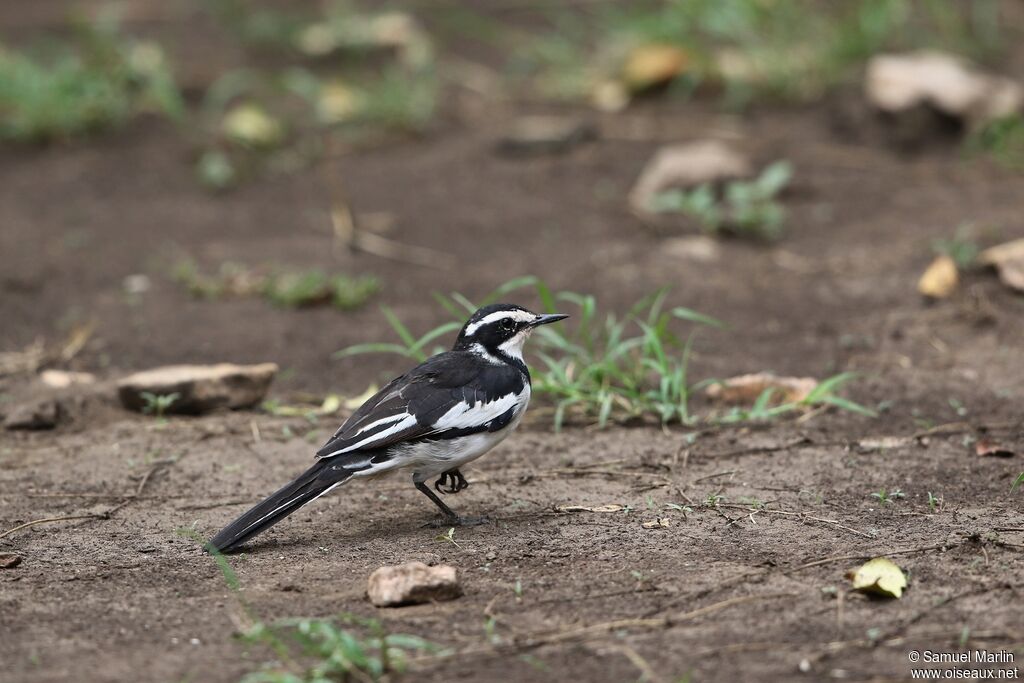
(127, 598)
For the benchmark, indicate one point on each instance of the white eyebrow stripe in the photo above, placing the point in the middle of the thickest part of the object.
(519, 316)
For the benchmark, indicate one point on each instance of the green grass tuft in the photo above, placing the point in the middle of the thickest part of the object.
(98, 81)
(602, 368)
(748, 208)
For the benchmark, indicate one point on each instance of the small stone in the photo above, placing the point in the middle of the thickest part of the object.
(199, 388)
(883, 443)
(38, 415)
(9, 560)
(411, 584)
(686, 166)
(137, 284)
(62, 379)
(700, 248)
(538, 135)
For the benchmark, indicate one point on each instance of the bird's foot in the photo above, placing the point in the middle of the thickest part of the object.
(453, 480)
(448, 522)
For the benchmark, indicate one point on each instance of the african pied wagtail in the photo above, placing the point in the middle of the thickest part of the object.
(437, 417)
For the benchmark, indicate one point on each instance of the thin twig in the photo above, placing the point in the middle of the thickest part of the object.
(639, 662)
(872, 553)
(97, 515)
(755, 450)
(48, 520)
(602, 628)
(716, 474)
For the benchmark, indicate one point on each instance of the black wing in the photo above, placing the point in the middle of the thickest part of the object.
(451, 394)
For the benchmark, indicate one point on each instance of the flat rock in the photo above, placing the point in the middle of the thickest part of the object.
(686, 166)
(43, 414)
(199, 388)
(899, 83)
(412, 583)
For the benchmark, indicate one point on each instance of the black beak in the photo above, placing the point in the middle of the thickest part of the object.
(548, 318)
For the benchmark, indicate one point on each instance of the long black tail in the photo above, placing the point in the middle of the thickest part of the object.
(307, 486)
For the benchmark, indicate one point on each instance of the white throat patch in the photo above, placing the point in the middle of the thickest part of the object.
(513, 348)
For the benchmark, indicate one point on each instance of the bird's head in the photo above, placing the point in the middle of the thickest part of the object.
(501, 329)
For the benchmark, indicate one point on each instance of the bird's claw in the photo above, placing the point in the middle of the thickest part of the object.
(453, 479)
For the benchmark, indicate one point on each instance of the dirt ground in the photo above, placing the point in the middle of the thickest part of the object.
(724, 593)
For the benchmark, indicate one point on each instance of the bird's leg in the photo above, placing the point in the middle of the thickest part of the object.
(457, 482)
(450, 517)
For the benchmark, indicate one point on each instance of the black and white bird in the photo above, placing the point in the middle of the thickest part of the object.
(436, 418)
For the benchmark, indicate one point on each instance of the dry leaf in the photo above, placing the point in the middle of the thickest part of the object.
(879, 576)
(338, 103)
(939, 279)
(585, 508)
(656, 523)
(745, 389)
(984, 447)
(651, 65)
(1008, 260)
(251, 125)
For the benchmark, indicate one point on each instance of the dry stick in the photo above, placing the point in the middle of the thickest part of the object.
(639, 662)
(801, 515)
(754, 450)
(348, 233)
(98, 515)
(647, 623)
(716, 474)
(897, 633)
(872, 553)
(953, 428)
(46, 521)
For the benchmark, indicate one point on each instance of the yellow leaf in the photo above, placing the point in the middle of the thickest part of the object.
(940, 278)
(879, 576)
(356, 401)
(656, 523)
(249, 124)
(651, 65)
(338, 103)
(330, 405)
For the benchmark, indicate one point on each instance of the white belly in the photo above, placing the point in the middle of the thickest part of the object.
(428, 459)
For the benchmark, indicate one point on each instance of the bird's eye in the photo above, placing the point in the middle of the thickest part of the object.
(507, 324)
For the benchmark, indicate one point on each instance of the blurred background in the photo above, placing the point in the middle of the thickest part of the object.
(248, 181)
(832, 192)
